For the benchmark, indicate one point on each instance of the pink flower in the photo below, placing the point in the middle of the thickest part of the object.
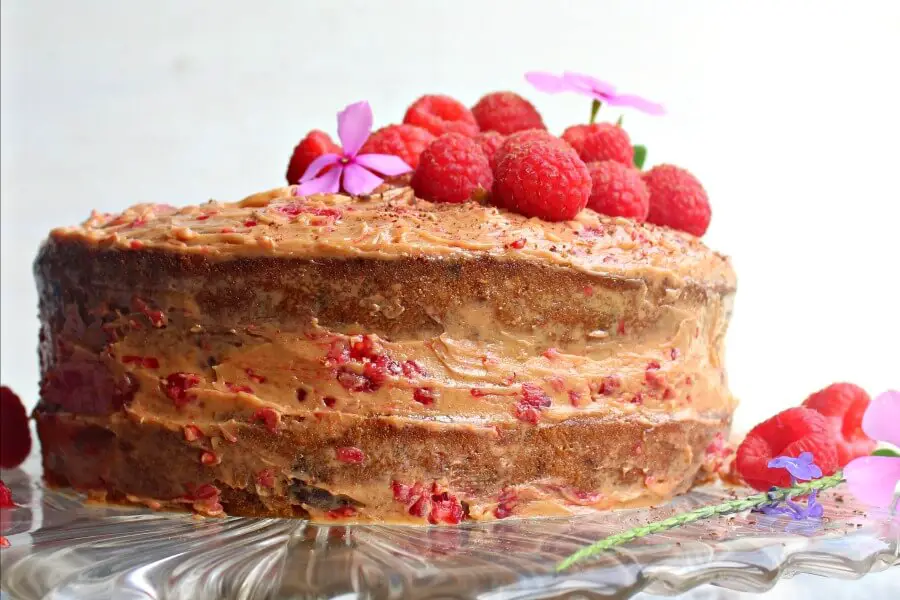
(350, 171)
(876, 479)
(589, 86)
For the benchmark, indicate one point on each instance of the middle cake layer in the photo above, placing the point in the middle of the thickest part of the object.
(459, 338)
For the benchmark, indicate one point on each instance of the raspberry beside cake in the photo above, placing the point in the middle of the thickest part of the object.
(378, 358)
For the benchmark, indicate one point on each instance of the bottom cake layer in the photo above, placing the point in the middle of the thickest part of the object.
(379, 469)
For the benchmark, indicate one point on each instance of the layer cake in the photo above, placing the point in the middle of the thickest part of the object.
(379, 358)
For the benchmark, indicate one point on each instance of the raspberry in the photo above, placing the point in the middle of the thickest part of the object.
(177, 386)
(843, 405)
(440, 115)
(618, 191)
(605, 141)
(526, 135)
(315, 144)
(404, 141)
(270, 417)
(544, 180)
(677, 199)
(445, 509)
(350, 454)
(506, 113)
(490, 142)
(788, 433)
(6, 500)
(15, 437)
(575, 135)
(452, 169)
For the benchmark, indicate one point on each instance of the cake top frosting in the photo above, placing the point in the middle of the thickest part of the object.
(392, 223)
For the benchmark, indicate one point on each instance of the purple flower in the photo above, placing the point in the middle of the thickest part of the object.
(350, 171)
(875, 480)
(801, 468)
(589, 86)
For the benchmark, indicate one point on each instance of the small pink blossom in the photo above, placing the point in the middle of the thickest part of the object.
(875, 480)
(357, 174)
(592, 87)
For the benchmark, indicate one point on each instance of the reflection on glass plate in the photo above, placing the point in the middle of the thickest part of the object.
(61, 549)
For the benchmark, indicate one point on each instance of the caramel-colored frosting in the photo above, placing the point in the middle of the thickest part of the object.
(476, 373)
(396, 224)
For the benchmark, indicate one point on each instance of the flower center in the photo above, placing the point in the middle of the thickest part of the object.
(345, 160)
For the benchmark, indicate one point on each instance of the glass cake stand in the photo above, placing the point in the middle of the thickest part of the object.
(60, 549)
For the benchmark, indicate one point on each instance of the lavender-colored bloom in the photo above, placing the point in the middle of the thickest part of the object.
(592, 87)
(355, 173)
(801, 468)
(875, 480)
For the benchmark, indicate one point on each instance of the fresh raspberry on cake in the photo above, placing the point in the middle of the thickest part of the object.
(843, 405)
(440, 115)
(452, 169)
(575, 135)
(618, 190)
(788, 433)
(506, 113)
(315, 144)
(542, 179)
(677, 200)
(530, 135)
(526, 135)
(404, 141)
(15, 437)
(490, 142)
(605, 141)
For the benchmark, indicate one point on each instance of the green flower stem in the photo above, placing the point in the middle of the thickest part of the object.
(595, 106)
(705, 512)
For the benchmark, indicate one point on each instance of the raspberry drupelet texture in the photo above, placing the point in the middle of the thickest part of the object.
(506, 113)
(542, 179)
(452, 169)
(605, 141)
(490, 142)
(843, 405)
(440, 115)
(788, 433)
(618, 190)
(677, 200)
(404, 141)
(521, 137)
(15, 436)
(315, 144)
(575, 134)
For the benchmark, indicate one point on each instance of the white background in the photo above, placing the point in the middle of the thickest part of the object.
(786, 111)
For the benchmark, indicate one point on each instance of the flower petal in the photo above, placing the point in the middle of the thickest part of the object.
(881, 420)
(354, 127)
(588, 84)
(873, 479)
(548, 82)
(316, 166)
(359, 181)
(802, 467)
(386, 164)
(329, 183)
(642, 104)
